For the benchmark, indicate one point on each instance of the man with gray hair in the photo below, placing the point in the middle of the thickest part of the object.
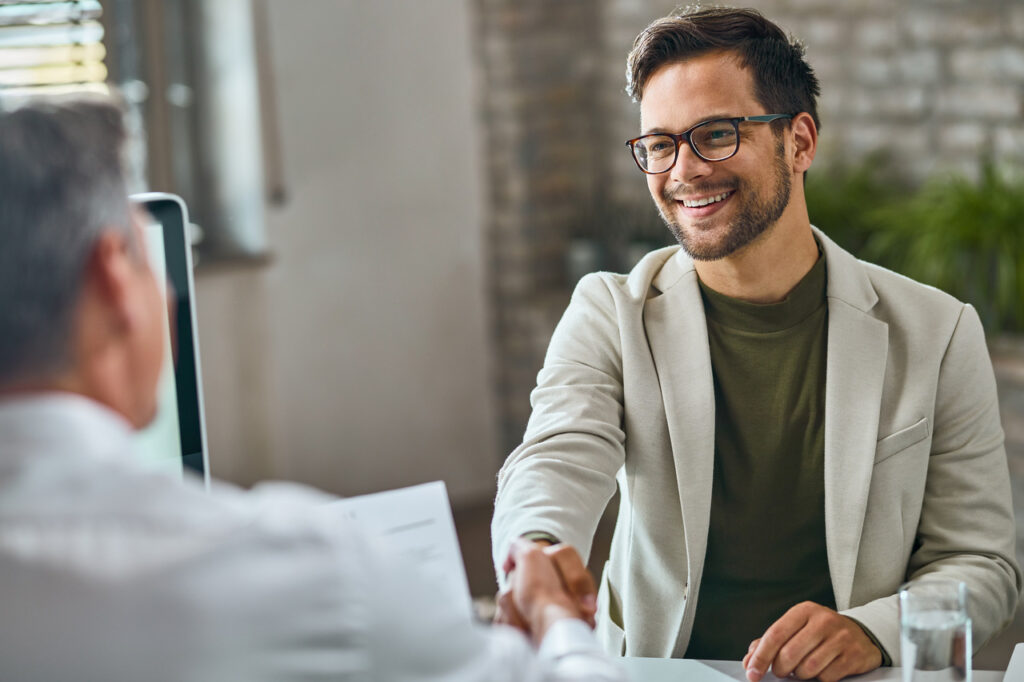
(109, 571)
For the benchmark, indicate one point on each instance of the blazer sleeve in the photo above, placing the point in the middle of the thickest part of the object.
(966, 529)
(559, 480)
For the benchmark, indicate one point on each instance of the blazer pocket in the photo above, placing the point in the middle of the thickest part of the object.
(901, 440)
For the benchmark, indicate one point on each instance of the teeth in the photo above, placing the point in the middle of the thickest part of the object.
(704, 202)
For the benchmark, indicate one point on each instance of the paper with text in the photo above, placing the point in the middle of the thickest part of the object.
(416, 523)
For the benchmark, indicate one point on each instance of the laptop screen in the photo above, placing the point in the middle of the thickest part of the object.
(176, 438)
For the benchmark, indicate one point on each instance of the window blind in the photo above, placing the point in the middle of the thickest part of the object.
(51, 47)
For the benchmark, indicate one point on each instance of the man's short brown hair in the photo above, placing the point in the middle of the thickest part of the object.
(784, 83)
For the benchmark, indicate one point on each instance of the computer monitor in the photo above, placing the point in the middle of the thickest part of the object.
(175, 441)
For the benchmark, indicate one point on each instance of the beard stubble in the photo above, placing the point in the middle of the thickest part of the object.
(755, 216)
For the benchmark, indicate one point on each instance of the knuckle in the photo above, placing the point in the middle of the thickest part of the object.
(839, 669)
(772, 640)
(809, 668)
(782, 665)
(759, 660)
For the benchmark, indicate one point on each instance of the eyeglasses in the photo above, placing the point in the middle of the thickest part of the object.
(715, 140)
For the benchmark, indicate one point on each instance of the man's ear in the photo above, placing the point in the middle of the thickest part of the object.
(805, 141)
(108, 273)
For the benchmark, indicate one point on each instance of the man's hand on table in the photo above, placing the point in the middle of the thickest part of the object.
(546, 583)
(811, 640)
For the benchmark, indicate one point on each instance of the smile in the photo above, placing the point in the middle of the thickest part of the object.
(697, 203)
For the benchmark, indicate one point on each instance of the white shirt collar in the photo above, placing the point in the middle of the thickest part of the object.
(58, 423)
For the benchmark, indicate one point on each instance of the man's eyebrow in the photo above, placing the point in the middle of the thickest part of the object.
(661, 129)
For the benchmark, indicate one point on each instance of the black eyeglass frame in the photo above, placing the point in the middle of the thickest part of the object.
(685, 136)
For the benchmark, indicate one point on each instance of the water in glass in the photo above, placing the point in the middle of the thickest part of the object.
(935, 638)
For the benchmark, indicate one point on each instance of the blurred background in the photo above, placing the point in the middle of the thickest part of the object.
(393, 199)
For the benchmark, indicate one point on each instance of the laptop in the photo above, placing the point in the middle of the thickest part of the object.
(175, 441)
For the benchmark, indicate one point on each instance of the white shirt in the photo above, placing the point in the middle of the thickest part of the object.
(111, 572)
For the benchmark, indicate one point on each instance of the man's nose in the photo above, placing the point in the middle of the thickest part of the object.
(689, 166)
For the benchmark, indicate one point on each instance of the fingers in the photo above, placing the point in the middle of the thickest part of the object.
(815, 662)
(576, 578)
(799, 648)
(838, 668)
(750, 650)
(510, 562)
(537, 591)
(777, 635)
(565, 567)
(506, 612)
(857, 653)
(810, 641)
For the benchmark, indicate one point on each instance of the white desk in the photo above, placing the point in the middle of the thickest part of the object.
(685, 670)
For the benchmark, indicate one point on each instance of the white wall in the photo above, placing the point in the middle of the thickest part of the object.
(358, 358)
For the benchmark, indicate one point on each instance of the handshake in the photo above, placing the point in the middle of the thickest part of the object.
(545, 584)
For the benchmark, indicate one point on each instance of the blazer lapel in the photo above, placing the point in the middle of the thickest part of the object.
(678, 337)
(855, 370)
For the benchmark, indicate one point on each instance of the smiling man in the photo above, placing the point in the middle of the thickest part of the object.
(794, 432)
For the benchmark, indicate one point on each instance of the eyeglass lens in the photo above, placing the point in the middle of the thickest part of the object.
(713, 140)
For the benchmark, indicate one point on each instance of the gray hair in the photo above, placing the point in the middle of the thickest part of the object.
(62, 185)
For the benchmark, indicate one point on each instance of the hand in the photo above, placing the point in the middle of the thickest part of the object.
(576, 579)
(505, 612)
(545, 585)
(811, 640)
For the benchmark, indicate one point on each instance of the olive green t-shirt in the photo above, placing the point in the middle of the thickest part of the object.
(766, 543)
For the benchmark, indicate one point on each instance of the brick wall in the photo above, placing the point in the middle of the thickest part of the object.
(538, 69)
(939, 83)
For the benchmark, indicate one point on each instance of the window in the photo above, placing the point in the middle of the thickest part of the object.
(189, 75)
(51, 47)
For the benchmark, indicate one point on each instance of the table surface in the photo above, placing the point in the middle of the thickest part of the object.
(674, 669)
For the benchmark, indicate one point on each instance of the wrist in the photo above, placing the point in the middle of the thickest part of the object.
(540, 537)
(546, 614)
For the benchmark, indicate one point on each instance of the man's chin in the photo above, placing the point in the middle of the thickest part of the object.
(708, 242)
(703, 245)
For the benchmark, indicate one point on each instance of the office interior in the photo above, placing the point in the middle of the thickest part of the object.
(395, 198)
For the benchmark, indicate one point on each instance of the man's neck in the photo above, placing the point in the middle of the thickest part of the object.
(766, 270)
(70, 382)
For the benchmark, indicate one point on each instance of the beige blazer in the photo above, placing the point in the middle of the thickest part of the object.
(916, 478)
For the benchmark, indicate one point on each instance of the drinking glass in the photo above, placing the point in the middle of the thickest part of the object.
(935, 631)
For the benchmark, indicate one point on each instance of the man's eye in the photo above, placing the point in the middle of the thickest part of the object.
(716, 137)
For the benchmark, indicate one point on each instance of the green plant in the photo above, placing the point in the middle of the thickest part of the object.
(964, 237)
(841, 199)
